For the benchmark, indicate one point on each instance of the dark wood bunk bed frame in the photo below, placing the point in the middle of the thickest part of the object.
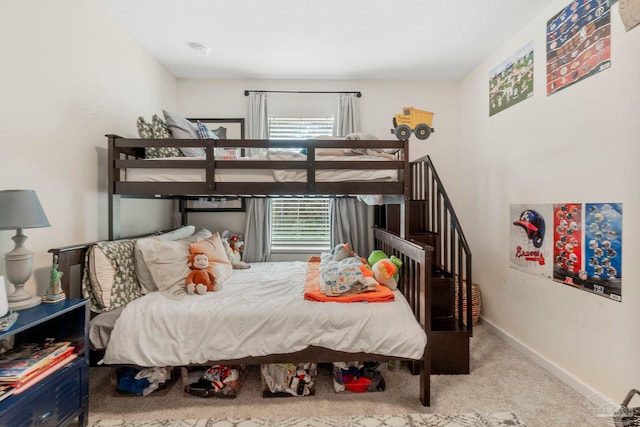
(415, 284)
(412, 229)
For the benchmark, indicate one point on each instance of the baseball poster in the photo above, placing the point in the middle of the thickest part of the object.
(576, 244)
(598, 266)
(578, 43)
(531, 249)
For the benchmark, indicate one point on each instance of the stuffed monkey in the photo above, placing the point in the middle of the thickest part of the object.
(200, 280)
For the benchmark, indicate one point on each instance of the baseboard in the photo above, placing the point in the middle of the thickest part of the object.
(592, 395)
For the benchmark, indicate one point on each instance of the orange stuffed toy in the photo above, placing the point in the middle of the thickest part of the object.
(200, 280)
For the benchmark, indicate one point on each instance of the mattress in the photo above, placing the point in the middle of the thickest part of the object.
(264, 175)
(260, 311)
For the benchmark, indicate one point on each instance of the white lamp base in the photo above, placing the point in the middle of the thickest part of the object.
(27, 303)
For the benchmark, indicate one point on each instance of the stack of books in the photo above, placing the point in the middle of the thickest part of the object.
(26, 364)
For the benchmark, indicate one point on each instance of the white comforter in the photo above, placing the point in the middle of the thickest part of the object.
(259, 311)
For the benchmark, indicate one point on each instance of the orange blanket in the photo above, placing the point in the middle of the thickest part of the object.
(312, 290)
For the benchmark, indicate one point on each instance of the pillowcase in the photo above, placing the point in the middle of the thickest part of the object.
(182, 128)
(219, 263)
(110, 279)
(162, 261)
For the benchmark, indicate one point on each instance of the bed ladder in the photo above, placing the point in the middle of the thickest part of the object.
(431, 219)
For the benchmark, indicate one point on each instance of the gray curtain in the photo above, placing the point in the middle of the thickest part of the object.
(257, 232)
(348, 118)
(258, 120)
(351, 222)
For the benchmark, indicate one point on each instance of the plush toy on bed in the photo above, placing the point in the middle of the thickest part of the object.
(199, 280)
(234, 249)
(385, 269)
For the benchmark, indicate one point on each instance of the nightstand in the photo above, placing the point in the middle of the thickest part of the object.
(61, 397)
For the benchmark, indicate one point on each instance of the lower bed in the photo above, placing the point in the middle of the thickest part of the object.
(261, 316)
(260, 311)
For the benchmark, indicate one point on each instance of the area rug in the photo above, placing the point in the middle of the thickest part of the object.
(499, 419)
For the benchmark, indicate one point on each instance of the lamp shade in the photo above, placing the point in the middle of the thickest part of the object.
(21, 209)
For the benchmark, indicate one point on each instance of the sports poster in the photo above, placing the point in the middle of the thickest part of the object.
(531, 247)
(511, 81)
(578, 43)
(577, 244)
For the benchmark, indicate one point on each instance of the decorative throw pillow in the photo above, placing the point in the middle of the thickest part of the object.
(220, 133)
(204, 132)
(182, 128)
(156, 129)
(111, 280)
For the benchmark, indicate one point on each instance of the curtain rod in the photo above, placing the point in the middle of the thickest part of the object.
(247, 92)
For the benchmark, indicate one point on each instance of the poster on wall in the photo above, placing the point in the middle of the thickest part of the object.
(512, 80)
(629, 13)
(576, 244)
(598, 261)
(530, 239)
(578, 43)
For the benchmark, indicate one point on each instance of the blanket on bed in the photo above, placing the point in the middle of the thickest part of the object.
(312, 291)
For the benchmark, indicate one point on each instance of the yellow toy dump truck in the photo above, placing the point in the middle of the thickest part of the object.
(412, 120)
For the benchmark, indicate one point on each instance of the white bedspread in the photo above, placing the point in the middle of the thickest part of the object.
(259, 311)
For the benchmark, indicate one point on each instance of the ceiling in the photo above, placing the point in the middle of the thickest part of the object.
(322, 39)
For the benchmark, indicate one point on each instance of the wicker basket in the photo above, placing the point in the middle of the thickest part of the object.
(476, 302)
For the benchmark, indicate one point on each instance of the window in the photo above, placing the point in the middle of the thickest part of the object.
(299, 127)
(300, 224)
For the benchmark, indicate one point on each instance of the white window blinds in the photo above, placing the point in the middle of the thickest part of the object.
(300, 223)
(298, 127)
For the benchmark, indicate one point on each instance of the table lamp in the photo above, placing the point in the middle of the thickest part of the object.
(20, 209)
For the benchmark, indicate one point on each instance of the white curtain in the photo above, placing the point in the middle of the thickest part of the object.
(258, 120)
(257, 232)
(348, 119)
(351, 222)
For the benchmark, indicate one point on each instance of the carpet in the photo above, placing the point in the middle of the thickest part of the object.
(499, 419)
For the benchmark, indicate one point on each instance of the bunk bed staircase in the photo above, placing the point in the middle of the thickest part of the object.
(429, 218)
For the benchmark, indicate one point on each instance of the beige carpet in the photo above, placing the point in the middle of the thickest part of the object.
(501, 380)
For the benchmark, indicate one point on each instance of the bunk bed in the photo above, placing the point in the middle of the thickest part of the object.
(411, 299)
(307, 168)
(363, 167)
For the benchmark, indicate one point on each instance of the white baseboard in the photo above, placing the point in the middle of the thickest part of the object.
(594, 396)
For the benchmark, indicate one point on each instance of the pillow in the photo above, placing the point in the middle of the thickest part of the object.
(155, 130)
(110, 279)
(221, 132)
(369, 137)
(161, 261)
(204, 132)
(218, 259)
(182, 128)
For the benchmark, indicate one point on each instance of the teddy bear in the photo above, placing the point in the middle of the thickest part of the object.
(385, 269)
(200, 280)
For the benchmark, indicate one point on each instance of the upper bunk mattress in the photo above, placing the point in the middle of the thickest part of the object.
(264, 175)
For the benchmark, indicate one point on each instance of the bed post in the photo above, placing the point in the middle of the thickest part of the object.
(114, 199)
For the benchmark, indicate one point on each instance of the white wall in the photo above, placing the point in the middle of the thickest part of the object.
(577, 145)
(68, 77)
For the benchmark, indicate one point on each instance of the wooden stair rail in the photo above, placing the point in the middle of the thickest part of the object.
(437, 216)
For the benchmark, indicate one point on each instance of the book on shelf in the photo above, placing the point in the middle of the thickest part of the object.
(24, 361)
(45, 373)
(5, 391)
